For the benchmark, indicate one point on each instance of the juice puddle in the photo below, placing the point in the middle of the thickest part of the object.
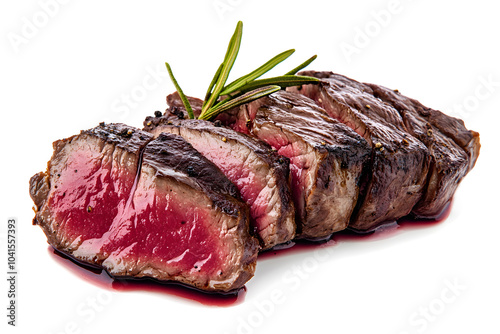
(383, 232)
(102, 279)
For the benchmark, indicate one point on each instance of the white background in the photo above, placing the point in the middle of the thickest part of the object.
(69, 70)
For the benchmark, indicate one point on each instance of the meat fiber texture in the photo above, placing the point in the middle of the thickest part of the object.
(115, 197)
(261, 175)
(326, 157)
(452, 149)
(400, 162)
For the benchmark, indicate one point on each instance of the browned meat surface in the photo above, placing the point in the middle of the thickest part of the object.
(453, 148)
(399, 162)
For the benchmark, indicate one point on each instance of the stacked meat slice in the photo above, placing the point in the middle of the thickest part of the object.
(452, 148)
(115, 197)
(190, 200)
(399, 162)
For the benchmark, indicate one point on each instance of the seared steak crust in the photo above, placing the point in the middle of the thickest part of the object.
(453, 148)
(399, 162)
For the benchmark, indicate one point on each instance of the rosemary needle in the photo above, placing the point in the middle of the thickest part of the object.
(184, 99)
(227, 65)
(233, 86)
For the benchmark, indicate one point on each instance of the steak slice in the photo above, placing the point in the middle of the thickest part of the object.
(399, 163)
(453, 148)
(261, 175)
(326, 157)
(115, 197)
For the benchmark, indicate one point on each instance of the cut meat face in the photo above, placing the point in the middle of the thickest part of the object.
(399, 163)
(116, 197)
(326, 157)
(261, 175)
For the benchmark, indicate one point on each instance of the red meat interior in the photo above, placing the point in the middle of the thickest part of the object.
(102, 208)
(251, 182)
(295, 150)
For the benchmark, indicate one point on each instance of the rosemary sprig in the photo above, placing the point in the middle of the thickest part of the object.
(301, 66)
(233, 86)
(212, 84)
(221, 97)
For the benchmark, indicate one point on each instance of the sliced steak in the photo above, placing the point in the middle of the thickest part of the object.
(326, 157)
(261, 175)
(399, 163)
(453, 148)
(115, 197)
